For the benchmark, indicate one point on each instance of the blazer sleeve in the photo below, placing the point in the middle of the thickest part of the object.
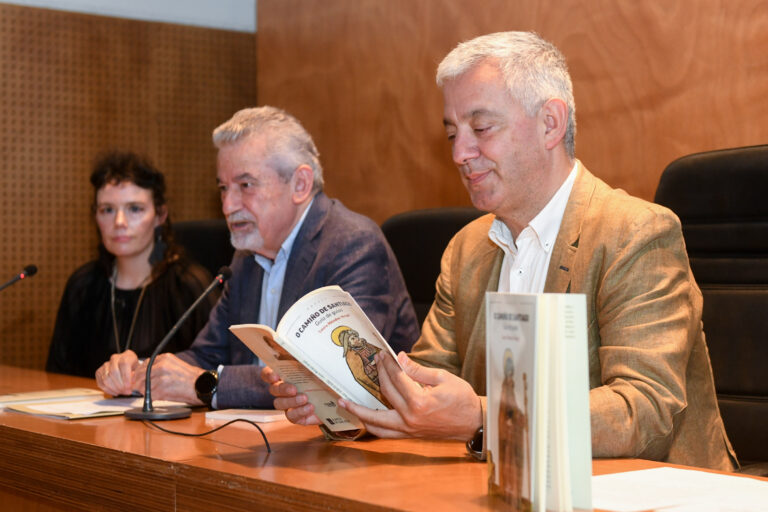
(648, 318)
(241, 386)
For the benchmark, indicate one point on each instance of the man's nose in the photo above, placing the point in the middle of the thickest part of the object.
(464, 148)
(230, 201)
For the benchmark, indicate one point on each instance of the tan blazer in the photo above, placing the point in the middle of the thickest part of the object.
(652, 392)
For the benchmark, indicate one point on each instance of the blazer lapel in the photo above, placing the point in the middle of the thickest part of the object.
(303, 254)
(248, 292)
(567, 242)
(488, 280)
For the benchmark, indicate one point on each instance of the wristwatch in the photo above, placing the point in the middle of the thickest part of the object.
(475, 445)
(205, 386)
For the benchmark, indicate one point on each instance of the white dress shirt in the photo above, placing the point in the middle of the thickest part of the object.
(525, 263)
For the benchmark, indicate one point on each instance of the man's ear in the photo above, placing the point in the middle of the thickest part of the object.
(554, 114)
(301, 182)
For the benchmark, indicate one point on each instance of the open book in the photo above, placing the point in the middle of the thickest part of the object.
(324, 345)
(538, 439)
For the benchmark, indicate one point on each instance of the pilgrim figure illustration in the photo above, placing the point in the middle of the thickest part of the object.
(359, 355)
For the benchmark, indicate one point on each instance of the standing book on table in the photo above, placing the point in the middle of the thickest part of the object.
(538, 427)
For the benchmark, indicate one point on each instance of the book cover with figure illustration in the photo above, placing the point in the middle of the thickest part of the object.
(324, 345)
(537, 382)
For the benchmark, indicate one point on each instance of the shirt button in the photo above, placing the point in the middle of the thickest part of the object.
(273, 291)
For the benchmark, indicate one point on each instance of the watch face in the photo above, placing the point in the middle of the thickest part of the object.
(205, 383)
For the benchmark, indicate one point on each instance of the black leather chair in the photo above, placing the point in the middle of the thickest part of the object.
(721, 198)
(418, 239)
(205, 242)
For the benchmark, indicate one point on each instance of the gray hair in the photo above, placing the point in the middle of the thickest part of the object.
(533, 69)
(289, 143)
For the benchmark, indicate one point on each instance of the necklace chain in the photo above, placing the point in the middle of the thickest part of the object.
(144, 285)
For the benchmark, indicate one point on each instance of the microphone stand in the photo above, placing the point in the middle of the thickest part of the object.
(148, 412)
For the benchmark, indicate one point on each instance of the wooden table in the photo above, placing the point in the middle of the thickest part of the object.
(114, 463)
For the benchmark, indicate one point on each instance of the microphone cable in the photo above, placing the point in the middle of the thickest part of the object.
(188, 434)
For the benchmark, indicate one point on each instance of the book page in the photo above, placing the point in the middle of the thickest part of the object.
(572, 333)
(255, 415)
(563, 329)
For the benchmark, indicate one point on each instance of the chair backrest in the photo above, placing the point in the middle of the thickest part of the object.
(721, 198)
(205, 242)
(418, 239)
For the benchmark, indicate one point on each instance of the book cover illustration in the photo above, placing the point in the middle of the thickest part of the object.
(359, 356)
(510, 359)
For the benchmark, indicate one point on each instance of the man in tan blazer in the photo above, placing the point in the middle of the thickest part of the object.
(510, 116)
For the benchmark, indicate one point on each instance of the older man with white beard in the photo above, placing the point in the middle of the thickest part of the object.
(290, 239)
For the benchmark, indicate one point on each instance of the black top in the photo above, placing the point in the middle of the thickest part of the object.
(83, 338)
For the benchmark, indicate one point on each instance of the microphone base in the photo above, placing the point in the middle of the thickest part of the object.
(159, 413)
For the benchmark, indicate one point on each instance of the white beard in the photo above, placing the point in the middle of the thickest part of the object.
(251, 241)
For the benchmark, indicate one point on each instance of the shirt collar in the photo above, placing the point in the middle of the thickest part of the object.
(286, 246)
(545, 225)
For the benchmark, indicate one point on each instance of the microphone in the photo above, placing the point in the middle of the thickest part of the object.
(171, 413)
(28, 271)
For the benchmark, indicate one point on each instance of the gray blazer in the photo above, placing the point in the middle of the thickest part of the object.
(334, 246)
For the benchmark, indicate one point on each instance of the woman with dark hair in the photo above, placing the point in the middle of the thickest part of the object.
(139, 286)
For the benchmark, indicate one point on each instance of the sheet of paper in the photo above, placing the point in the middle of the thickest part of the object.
(257, 415)
(88, 407)
(678, 490)
(49, 395)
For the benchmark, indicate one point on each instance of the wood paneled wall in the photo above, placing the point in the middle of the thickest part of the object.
(72, 86)
(654, 80)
